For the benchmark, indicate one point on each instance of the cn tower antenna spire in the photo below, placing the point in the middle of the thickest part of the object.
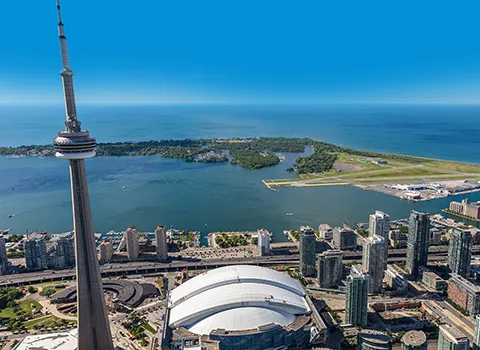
(72, 124)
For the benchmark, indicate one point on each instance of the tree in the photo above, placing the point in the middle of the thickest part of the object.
(32, 289)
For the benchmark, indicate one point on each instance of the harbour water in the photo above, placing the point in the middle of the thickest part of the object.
(146, 191)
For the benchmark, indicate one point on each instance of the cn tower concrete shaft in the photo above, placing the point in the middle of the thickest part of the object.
(76, 145)
(93, 326)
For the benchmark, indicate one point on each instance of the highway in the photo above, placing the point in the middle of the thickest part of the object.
(145, 268)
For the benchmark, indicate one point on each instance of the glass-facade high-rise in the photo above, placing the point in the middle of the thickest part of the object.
(418, 242)
(450, 338)
(307, 251)
(476, 334)
(374, 262)
(357, 299)
(460, 252)
(379, 224)
(330, 268)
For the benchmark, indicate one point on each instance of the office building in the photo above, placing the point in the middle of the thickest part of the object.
(131, 239)
(368, 339)
(4, 263)
(464, 293)
(161, 243)
(106, 250)
(379, 225)
(374, 262)
(460, 252)
(344, 238)
(330, 268)
(263, 242)
(451, 338)
(418, 242)
(75, 145)
(308, 247)
(476, 334)
(356, 299)
(325, 232)
(471, 210)
(414, 340)
(35, 252)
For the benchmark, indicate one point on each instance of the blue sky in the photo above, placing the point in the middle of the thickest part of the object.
(152, 51)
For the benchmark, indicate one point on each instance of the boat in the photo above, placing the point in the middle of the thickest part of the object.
(285, 232)
(289, 214)
(4, 231)
(11, 215)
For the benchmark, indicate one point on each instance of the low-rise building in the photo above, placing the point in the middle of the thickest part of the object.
(325, 231)
(464, 293)
(471, 210)
(414, 340)
(395, 280)
(369, 339)
(434, 281)
(344, 238)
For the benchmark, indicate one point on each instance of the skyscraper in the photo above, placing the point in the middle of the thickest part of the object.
(66, 248)
(76, 145)
(374, 262)
(161, 243)
(131, 238)
(263, 242)
(344, 238)
(379, 224)
(4, 264)
(307, 251)
(460, 252)
(450, 338)
(418, 242)
(330, 268)
(35, 252)
(357, 299)
(476, 334)
(106, 250)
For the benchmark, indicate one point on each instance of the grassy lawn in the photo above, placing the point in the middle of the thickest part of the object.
(149, 328)
(358, 160)
(454, 166)
(8, 313)
(397, 173)
(48, 321)
(51, 290)
(29, 305)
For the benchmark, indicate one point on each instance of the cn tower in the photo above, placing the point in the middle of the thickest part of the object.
(75, 145)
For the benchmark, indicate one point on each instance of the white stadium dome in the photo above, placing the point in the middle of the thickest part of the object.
(236, 298)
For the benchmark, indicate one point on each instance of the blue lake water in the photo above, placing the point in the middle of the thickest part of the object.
(211, 197)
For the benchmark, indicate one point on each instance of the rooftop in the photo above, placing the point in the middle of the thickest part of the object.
(414, 338)
(54, 341)
(373, 336)
(236, 298)
(452, 333)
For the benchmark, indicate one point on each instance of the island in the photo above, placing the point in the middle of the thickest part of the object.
(408, 177)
